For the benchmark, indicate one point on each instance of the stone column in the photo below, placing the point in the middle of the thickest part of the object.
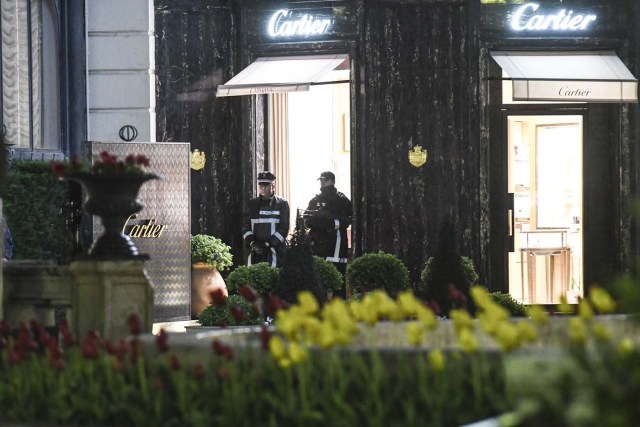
(106, 293)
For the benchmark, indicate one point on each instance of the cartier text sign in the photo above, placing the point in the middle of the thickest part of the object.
(286, 23)
(529, 17)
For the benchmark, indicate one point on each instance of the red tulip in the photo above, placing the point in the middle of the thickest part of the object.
(90, 349)
(223, 373)
(456, 296)
(248, 293)
(217, 347)
(5, 328)
(136, 346)
(67, 337)
(13, 357)
(36, 328)
(256, 309)
(218, 297)
(222, 350)
(198, 371)
(135, 325)
(175, 363)
(433, 305)
(57, 364)
(158, 384)
(275, 304)
(143, 160)
(237, 313)
(162, 341)
(265, 336)
(55, 351)
(59, 169)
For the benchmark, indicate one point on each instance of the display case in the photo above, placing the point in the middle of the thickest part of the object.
(551, 248)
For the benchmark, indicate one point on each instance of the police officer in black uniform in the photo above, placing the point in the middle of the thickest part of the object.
(328, 216)
(266, 224)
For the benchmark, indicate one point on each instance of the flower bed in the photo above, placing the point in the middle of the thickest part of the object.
(335, 365)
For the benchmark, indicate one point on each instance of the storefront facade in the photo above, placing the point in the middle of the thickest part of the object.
(419, 73)
(574, 184)
(426, 73)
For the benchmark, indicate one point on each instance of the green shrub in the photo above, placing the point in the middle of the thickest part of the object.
(466, 265)
(505, 300)
(377, 271)
(39, 213)
(328, 275)
(211, 251)
(221, 316)
(260, 276)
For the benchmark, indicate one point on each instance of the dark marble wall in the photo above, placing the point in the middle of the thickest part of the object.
(195, 51)
(419, 76)
(419, 87)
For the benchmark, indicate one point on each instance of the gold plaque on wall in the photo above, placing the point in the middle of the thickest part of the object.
(417, 156)
(197, 159)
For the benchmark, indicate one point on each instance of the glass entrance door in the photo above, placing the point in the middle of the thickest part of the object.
(310, 134)
(545, 177)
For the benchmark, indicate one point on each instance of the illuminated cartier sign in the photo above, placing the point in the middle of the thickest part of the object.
(147, 228)
(283, 24)
(524, 18)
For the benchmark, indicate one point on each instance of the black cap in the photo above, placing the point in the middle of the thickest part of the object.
(328, 175)
(266, 176)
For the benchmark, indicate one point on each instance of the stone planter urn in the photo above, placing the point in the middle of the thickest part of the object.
(112, 197)
(204, 280)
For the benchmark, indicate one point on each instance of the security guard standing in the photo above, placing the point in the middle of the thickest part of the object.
(266, 224)
(328, 216)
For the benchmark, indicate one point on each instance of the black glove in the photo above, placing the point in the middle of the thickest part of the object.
(259, 247)
(312, 222)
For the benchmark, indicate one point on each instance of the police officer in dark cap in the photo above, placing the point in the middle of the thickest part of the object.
(328, 216)
(266, 224)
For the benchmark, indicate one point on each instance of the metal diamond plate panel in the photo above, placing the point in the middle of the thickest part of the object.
(166, 202)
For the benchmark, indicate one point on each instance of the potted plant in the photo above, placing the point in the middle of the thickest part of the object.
(209, 256)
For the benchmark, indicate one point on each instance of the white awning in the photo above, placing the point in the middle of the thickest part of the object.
(568, 76)
(282, 74)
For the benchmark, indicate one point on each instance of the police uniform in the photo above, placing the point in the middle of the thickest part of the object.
(328, 217)
(266, 226)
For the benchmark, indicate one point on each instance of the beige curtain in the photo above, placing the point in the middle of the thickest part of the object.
(15, 71)
(279, 144)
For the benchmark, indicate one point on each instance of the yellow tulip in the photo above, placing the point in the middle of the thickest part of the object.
(601, 332)
(284, 363)
(426, 317)
(538, 314)
(584, 310)
(408, 303)
(308, 302)
(507, 336)
(564, 307)
(297, 353)
(415, 333)
(467, 341)
(577, 330)
(461, 319)
(481, 296)
(277, 347)
(626, 347)
(436, 360)
(601, 300)
(528, 332)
